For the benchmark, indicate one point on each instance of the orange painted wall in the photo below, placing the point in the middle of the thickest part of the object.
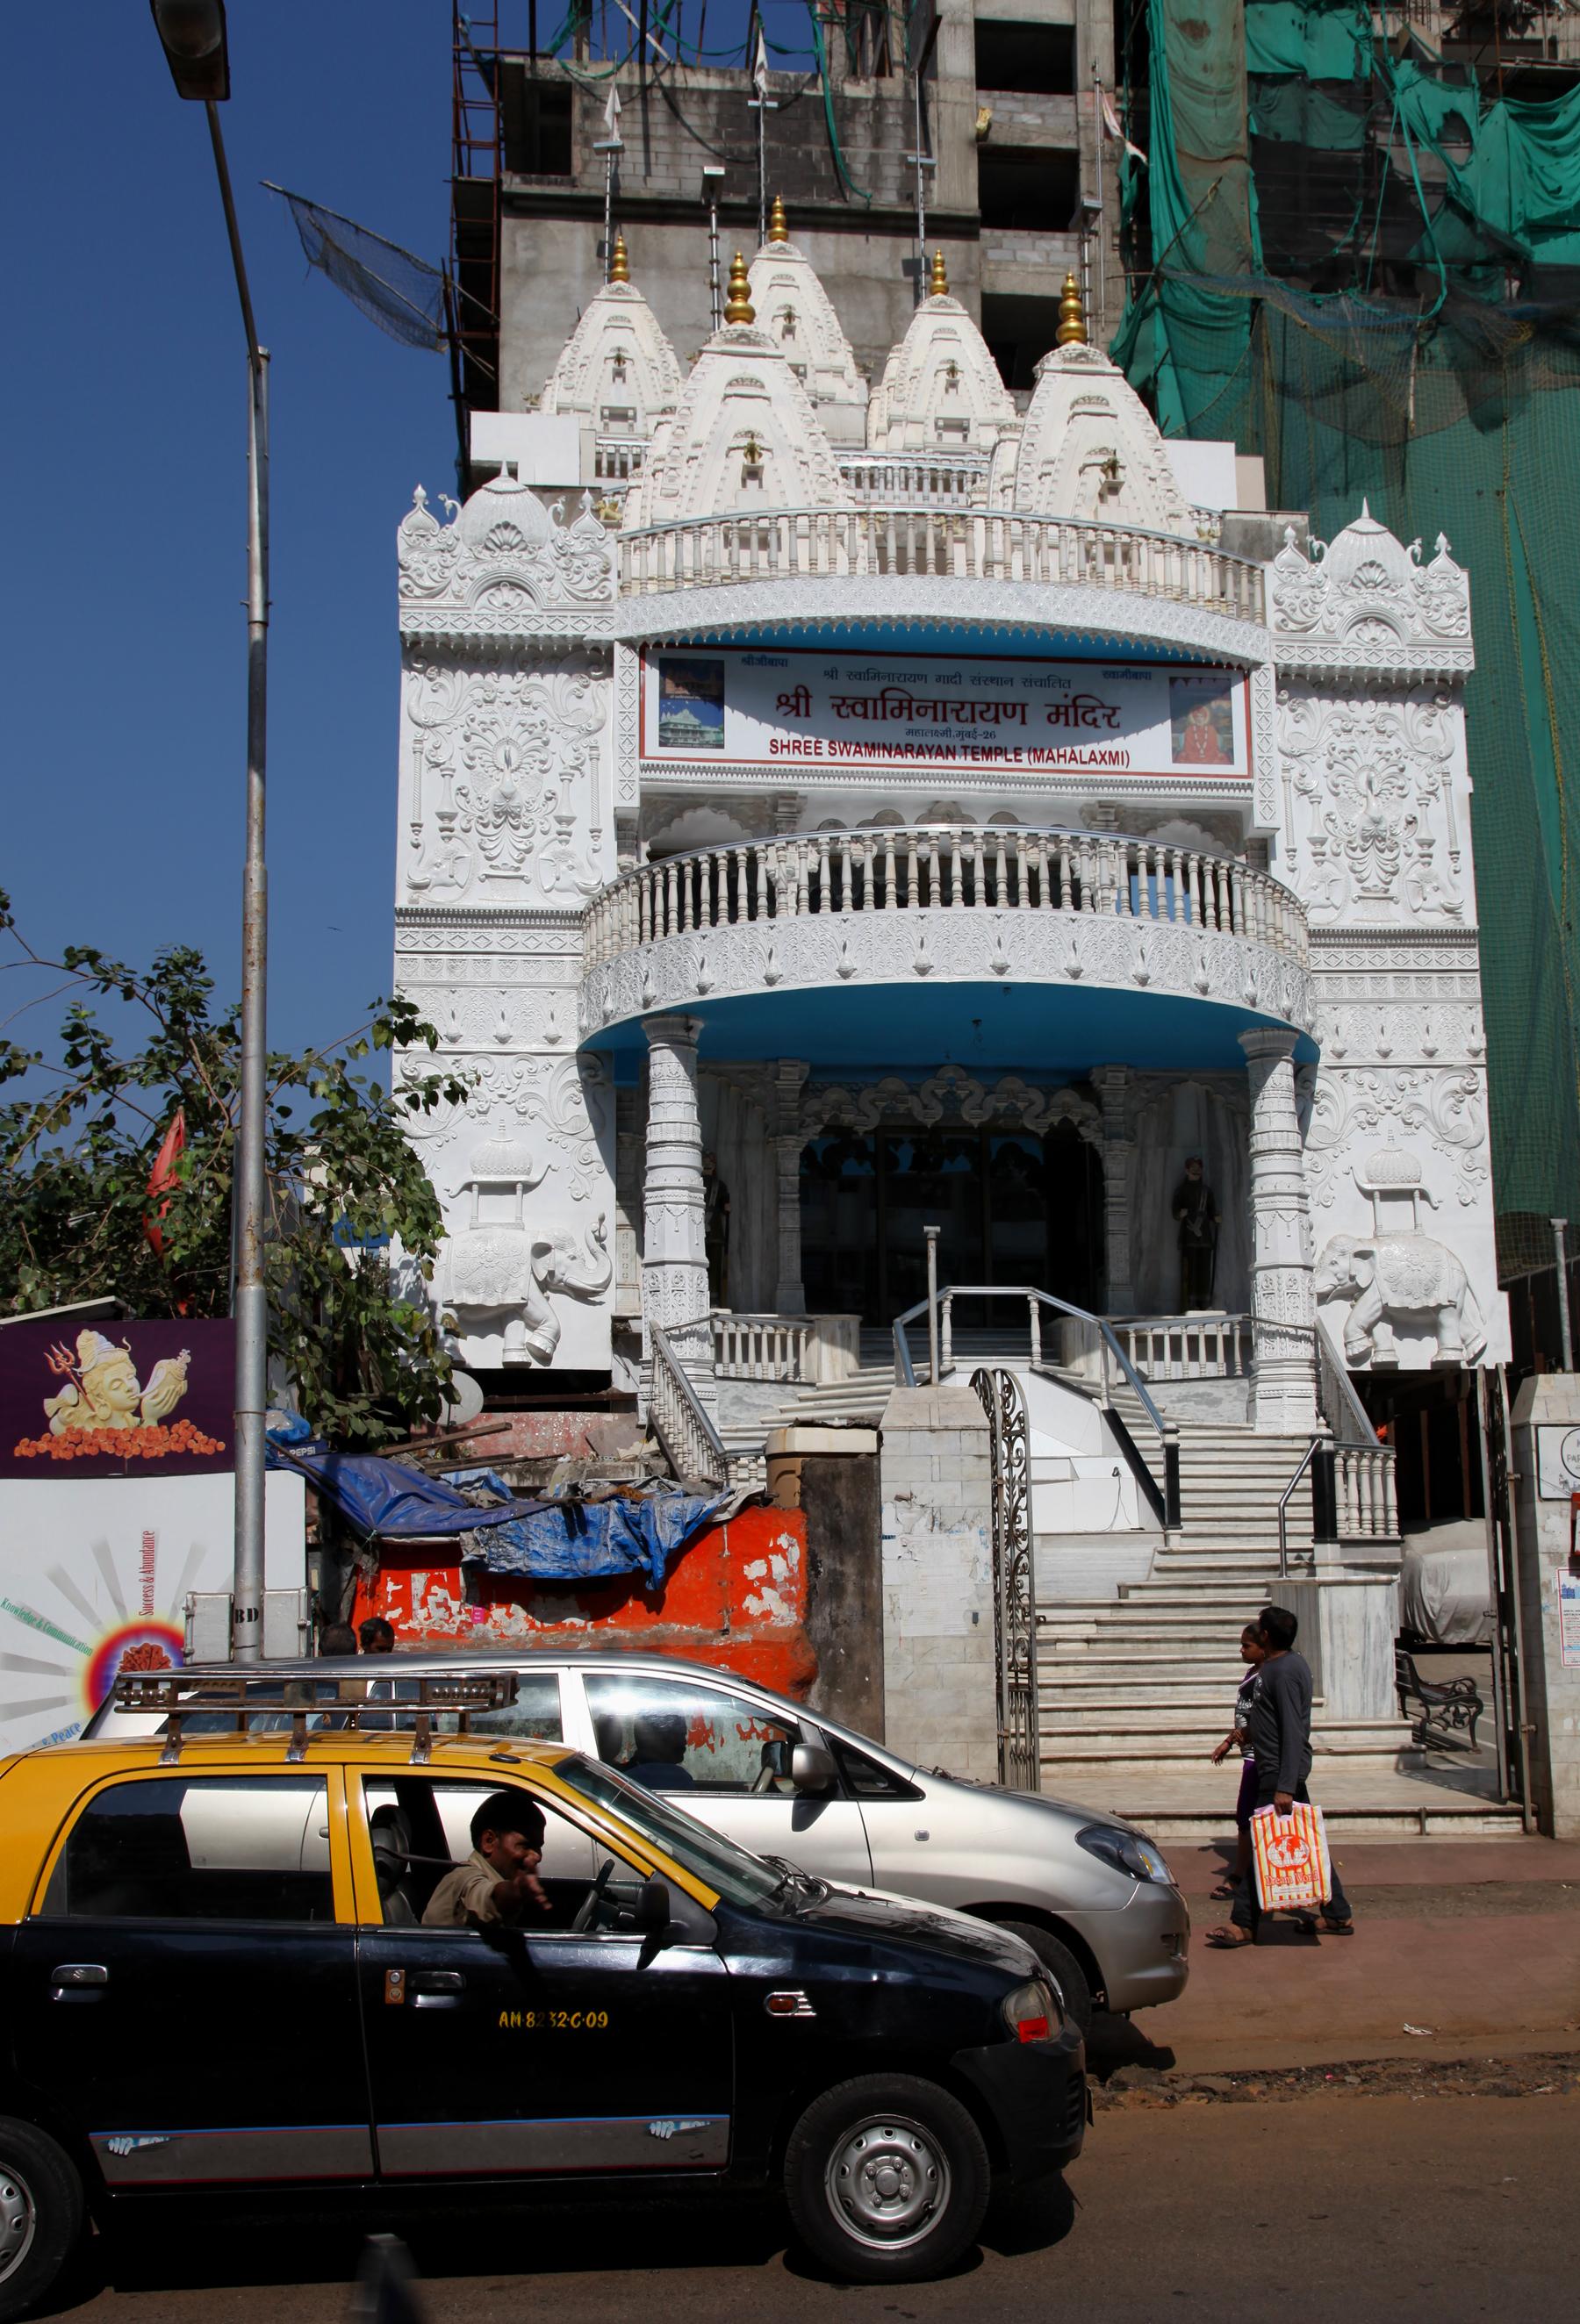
(737, 1599)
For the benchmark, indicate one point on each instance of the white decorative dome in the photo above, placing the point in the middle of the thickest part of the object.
(798, 315)
(745, 436)
(617, 372)
(1089, 447)
(503, 518)
(940, 389)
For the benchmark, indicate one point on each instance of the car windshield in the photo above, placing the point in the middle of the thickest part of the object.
(739, 1878)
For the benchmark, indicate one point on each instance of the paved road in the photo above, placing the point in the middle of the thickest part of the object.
(1439, 2210)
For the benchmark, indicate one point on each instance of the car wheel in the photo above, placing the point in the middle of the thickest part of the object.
(887, 2178)
(40, 2215)
(1068, 1973)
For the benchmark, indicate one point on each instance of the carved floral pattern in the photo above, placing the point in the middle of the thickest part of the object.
(1375, 777)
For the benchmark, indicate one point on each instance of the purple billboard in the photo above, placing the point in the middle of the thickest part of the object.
(114, 1397)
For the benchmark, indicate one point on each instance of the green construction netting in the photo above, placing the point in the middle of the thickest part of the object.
(1439, 377)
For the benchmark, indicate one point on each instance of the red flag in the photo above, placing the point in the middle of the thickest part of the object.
(164, 1174)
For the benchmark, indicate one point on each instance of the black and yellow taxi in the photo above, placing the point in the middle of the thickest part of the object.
(219, 1981)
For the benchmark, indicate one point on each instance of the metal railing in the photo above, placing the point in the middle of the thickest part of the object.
(943, 867)
(942, 543)
(1188, 1346)
(814, 1350)
(1161, 1493)
(1307, 1458)
(1014, 1577)
(681, 1420)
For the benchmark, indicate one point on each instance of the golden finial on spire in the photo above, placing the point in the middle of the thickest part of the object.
(1072, 317)
(778, 225)
(940, 283)
(738, 307)
(619, 264)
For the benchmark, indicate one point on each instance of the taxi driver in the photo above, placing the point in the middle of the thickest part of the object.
(499, 1880)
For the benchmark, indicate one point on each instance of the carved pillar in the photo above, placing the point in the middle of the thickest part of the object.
(1282, 1298)
(627, 1202)
(674, 1280)
(789, 1291)
(1112, 1084)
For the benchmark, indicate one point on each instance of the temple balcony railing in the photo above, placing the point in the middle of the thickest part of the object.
(948, 869)
(941, 479)
(936, 543)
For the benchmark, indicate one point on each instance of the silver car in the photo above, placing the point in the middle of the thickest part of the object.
(1092, 1896)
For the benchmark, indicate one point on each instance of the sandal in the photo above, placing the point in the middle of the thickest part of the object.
(1226, 1890)
(1230, 1940)
(1339, 1928)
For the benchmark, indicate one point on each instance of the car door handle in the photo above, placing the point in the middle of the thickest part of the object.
(436, 1988)
(78, 1981)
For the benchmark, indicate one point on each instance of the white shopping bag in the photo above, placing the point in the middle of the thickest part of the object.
(1289, 1853)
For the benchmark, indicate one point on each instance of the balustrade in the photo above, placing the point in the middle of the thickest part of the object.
(956, 868)
(1187, 1347)
(813, 1349)
(1365, 1491)
(940, 541)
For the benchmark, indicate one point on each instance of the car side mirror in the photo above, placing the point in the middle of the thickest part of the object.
(653, 1911)
(812, 1768)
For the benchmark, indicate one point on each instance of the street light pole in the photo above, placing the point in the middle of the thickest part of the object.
(192, 34)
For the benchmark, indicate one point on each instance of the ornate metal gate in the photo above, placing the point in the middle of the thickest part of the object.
(1014, 1578)
(1507, 1688)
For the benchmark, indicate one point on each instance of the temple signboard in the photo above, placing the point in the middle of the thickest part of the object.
(795, 706)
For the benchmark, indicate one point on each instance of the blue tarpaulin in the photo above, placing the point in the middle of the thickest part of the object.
(557, 1539)
(576, 1541)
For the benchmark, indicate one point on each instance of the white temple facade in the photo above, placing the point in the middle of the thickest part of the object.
(910, 802)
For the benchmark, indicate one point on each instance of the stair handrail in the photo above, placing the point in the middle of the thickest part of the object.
(1307, 1458)
(1164, 1504)
(678, 1412)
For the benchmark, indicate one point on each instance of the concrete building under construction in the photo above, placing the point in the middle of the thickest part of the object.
(972, 128)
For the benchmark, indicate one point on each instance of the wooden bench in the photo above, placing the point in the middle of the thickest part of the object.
(1449, 1707)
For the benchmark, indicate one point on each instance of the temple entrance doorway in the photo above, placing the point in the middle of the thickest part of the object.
(1015, 1207)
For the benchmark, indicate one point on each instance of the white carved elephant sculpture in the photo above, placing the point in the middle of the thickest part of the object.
(512, 1267)
(1398, 1277)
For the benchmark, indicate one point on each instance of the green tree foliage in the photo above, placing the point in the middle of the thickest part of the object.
(81, 1126)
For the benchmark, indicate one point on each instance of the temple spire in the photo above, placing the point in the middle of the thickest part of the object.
(619, 264)
(1072, 317)
(940, 282)
(778, 226)
(738, 307)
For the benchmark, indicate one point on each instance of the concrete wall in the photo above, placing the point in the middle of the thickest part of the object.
(941, 1686)
(1551, 1401)
(830, 1475)
(736, 1599)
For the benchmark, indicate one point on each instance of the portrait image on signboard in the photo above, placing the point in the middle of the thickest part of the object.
(1201, 722)
(691, 703)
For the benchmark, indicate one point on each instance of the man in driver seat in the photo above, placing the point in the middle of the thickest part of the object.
(499, 1880)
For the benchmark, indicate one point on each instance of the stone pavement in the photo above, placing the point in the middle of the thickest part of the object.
(1474, 1944)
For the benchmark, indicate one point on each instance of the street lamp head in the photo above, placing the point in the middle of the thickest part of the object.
(192, 34)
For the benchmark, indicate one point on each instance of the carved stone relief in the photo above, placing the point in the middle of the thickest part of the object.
(950, 1094)
(1374, 829)
(504, 797)
(1443, 1110)
(1368, 603)
(1397, 1280)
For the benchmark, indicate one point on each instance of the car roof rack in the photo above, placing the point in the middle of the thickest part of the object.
(179, 1695)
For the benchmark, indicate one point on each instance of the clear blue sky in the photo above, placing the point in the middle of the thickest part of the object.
(123, 411)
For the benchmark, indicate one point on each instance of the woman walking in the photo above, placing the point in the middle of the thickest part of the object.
(1251, 1653)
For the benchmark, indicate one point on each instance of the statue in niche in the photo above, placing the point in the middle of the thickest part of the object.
(716, 1231)
(1195, 1213)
